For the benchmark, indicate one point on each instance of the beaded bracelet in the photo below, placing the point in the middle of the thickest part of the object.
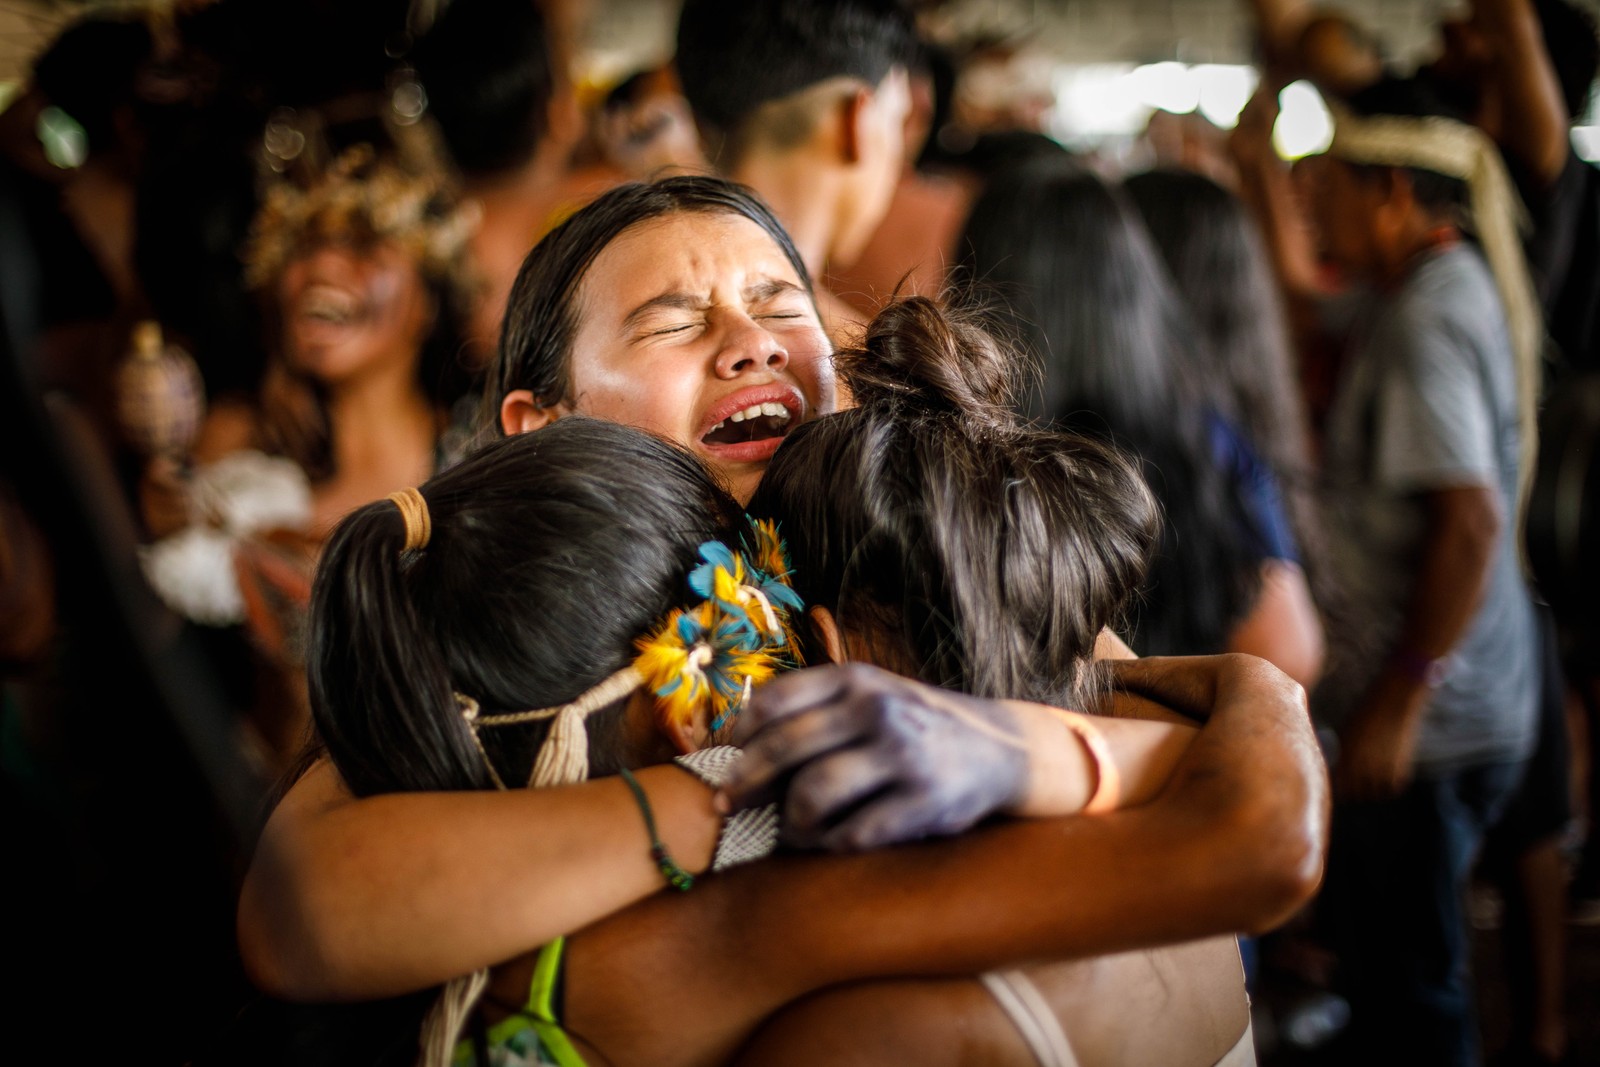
(1108, 780)
(676, 876)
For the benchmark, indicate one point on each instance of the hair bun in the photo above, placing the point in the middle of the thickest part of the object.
(919, 351)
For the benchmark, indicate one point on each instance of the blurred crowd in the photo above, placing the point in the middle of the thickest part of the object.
(254, 262)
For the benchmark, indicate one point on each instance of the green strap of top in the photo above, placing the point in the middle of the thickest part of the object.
(538, 1014)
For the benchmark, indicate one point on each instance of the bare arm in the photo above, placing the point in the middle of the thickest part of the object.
(1464, 525)
(858, 757)
(351, 899)
(1321, 44)
(1530, 121)
(359, 898)
(1062, 774)
(1236, 842)
(1266, 187)
(354, 898)
(1283, 628)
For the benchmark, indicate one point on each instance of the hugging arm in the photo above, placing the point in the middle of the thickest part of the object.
(1235, 842)
(862, 758)
(352, 898)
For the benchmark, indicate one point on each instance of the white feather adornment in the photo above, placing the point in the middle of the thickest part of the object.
(248, 492)
(192, 572)
(242, 494)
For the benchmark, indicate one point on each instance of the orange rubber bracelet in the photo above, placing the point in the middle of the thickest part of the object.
(1107, 779)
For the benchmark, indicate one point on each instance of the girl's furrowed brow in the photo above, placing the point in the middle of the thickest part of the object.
(767, 288)
(674, 301)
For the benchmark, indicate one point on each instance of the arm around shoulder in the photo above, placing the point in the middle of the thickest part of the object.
(351, 898)
(1235, 843)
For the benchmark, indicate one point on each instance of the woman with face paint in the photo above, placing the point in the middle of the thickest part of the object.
(361, 270)
(722, 322)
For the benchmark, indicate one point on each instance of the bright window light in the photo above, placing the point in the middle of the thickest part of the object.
(1224, 91)
(1167, 87)
(1304, 124)
(1096, 100)
(1099, 100)
(1586, 142)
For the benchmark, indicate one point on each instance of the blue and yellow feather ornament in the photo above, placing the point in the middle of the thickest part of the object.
(709, 656)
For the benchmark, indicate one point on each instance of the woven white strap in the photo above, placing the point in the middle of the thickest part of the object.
(747, 835)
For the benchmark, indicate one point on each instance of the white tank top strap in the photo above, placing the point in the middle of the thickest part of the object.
(1243, 1053)
(1021, 1000)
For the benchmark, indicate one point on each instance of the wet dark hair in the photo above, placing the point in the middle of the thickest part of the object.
(970, 551)
(542, 311)
(1087, 291)
(550, 555)
(1215, 254)
(734, 56)
(486, 67)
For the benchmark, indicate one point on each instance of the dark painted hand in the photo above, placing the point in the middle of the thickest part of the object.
(857, 757)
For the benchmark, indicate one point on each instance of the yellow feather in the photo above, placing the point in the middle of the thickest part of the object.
(768, 556)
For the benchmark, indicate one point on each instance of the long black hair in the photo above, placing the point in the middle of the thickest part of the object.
(972, 552)
(1217, 259)
(550, 554)
(541, 318)
(1087, 291)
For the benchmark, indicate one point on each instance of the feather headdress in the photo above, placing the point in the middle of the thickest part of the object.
(738, 637)
(364, 196)
(706, 657)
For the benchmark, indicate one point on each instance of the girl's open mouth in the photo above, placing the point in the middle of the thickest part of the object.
(749, 425)
(758, 422)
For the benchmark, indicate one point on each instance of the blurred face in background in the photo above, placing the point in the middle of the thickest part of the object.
(350, 310)
(1345, 205)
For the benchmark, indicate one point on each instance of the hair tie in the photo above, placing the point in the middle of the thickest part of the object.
(414, 511)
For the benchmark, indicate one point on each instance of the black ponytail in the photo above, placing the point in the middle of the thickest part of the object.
(1090, 294)
(377, 665)
(550, 554)
(972, 551)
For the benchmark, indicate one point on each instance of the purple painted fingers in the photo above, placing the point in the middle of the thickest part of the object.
(857, 757)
